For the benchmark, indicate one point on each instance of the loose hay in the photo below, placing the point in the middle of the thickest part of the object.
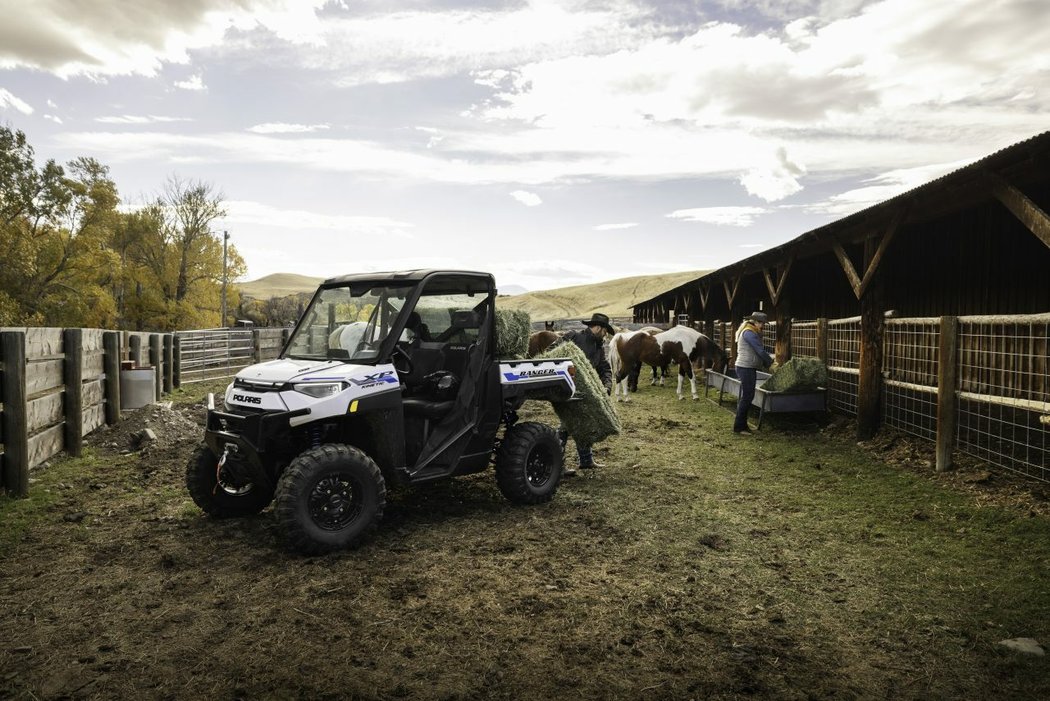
(798, 375)
(591, 418)
(512, 333)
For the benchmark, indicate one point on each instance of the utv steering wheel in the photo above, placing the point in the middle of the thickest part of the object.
(406, 359)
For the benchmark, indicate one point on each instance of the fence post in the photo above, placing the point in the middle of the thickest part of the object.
(135, 350)
(155, 361)
(822, 340)
(111, 366)
(947, 373)
(169, 371)
(256, 350)
(176, 361)
(16, 434)
(869, 380)
(73, 379)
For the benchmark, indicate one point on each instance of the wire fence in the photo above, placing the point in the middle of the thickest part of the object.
(1004, 392)
(804, 339)
(843, 364)
(909, 362)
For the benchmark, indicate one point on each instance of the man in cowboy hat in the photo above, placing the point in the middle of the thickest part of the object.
(590, 340)
(750, 356)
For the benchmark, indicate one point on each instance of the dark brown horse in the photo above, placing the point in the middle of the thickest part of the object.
(541, 341)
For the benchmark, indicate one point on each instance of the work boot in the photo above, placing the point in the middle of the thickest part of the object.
(568, 472)
(591, 465)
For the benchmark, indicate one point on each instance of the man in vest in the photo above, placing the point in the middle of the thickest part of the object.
(750, 357)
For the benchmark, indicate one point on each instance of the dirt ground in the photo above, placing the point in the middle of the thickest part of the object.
(796, 564)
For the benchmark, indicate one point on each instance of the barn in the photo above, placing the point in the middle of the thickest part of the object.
(930, 309)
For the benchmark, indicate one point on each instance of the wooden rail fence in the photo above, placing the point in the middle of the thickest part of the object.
(58, 385)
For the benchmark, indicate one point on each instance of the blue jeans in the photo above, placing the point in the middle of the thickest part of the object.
(748, 377)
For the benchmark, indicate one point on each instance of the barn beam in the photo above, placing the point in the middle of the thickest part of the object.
(705, 292)
(1021, 207)
(731, 293)
(884, 243)
(858, 283)
(776, 289)
(847, 267)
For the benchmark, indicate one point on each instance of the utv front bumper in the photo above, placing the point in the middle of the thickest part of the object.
(250, 435)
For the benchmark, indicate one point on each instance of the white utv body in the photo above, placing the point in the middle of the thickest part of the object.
(387, 379)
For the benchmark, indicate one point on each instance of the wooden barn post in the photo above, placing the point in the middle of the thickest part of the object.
(169, 365)
(111, 365)
(947, 373)
(176, 361)
(155, 360)
(869, 383)
(135, 350)
(15, 426)
(822, 340)
(782, 345)
(73, 379)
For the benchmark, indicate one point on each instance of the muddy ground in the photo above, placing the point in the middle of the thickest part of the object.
(796, 564)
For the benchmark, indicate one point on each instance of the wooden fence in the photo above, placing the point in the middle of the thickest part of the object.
(59, 385)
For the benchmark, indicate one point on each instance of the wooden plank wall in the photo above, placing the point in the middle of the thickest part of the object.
(60, 397)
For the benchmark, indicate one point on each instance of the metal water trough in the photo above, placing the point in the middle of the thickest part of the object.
(772, 402)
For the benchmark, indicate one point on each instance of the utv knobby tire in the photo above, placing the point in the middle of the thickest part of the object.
(329, 498)
(529, 463)
(216, 499)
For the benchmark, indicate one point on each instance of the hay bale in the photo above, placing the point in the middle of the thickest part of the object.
(513, 327)
(798, 375)
(590, 418)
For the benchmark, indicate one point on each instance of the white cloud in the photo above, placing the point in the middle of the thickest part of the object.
(7, 99)
(554, 268)
(721, 216)
(53, 118)
(139, 119)
(100, 38)
(612, 227)
(194, 82)
(528, 199)
(882, 188)
(283, 128)
(258, 214)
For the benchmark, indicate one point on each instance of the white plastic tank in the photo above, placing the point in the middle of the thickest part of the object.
(138, 387)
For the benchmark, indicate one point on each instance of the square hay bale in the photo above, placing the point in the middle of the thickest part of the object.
(798, 375)
(591, 418)
(513, 327)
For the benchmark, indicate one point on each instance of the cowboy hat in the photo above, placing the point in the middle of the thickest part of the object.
(599, 320)
(760, 317)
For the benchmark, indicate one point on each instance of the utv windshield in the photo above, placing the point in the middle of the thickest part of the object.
(347, 323)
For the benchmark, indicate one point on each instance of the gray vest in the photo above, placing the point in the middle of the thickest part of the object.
(746, 356)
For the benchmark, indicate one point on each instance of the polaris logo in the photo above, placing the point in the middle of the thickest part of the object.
(246, 399)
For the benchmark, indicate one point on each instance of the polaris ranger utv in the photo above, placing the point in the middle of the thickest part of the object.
(387, 379)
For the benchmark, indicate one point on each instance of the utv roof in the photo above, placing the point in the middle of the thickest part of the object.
(405, 276)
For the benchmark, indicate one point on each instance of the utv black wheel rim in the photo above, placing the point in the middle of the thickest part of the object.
(538, 468)
(334, 502)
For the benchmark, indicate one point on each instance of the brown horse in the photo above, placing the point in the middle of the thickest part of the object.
(688, 348)
(627, 351)
(541, 341)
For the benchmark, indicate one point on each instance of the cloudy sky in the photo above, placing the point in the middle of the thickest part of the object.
(550, 142)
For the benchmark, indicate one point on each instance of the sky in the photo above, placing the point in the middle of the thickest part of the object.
(552, 143)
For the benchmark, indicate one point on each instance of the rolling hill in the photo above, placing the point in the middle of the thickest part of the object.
(613, 297)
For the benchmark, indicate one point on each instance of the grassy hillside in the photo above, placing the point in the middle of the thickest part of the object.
(613, 297)
(279, 285)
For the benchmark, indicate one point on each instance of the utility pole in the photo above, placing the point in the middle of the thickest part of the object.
(225, 239)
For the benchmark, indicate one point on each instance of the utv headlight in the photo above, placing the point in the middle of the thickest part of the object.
(319, 390)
